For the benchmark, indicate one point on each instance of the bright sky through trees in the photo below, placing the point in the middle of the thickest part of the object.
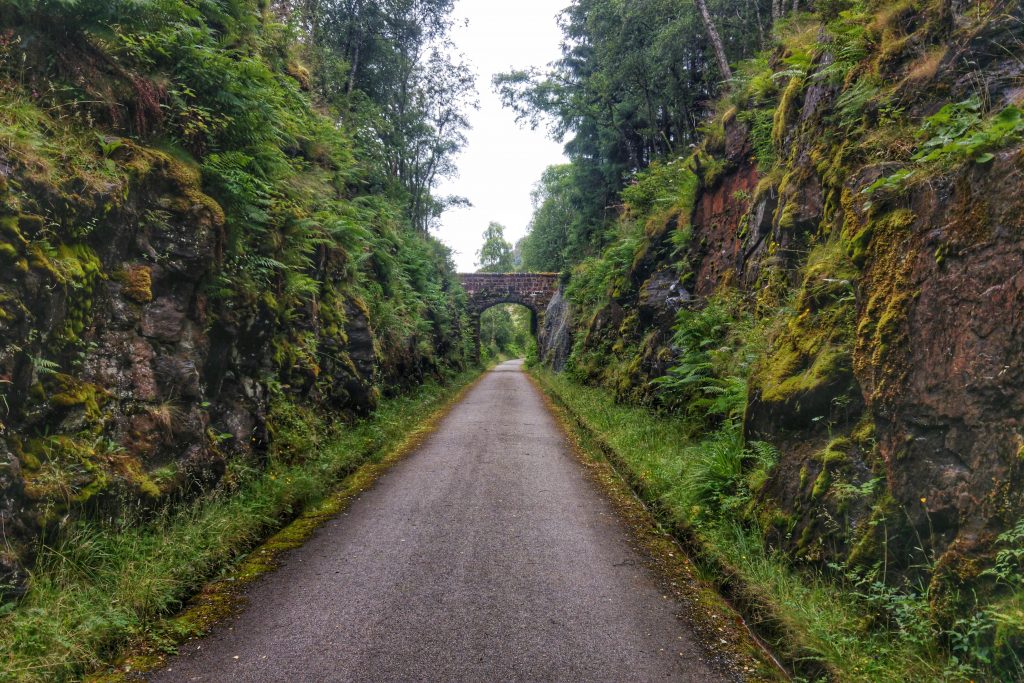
(502, 161)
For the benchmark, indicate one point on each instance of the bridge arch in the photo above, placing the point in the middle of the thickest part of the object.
(532, 290)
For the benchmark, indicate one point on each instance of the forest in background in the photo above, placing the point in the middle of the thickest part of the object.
(636, 83)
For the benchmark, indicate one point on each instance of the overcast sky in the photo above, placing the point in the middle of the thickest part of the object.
(502, 161)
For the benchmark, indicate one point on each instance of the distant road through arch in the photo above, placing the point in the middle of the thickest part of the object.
(533, 290)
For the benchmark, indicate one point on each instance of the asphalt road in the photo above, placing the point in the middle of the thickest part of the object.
(486, 555)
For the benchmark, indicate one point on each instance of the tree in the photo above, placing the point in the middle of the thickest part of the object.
(504, 331)
(432, 120)
(716, 40)
(388, 66)
(495, 256)
(554, 224)
(634, 84)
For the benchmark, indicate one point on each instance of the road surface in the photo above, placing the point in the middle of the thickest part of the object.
(486, 555)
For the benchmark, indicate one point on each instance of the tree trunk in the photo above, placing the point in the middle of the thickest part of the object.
(352, 71)
(760, 24)
(716, 40)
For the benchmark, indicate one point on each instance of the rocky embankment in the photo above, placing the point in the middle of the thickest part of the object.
(125, 383)
(891, 379)
(197, 263)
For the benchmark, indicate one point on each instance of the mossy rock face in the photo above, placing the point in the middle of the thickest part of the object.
(881, 327)
(60, 472)
(806, 375)
(954, 580)
(72, 392)
(77, 268)
(825, 487)
(31, 225)
(180, 182)
(157, 383)
(137, 283)
(10, 231)
(821, 484)
(883, 537)
(786, 110)
(938, 347)
(9, 253)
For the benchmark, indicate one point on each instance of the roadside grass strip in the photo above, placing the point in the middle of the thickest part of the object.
(814, 627)
(102, 589)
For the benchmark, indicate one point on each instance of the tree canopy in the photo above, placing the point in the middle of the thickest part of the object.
(394, 72)
(495, 256)
(634, 84)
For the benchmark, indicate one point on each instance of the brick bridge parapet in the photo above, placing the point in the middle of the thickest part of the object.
(533, 290)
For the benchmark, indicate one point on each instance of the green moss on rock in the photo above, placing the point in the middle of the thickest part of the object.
(884, 522)
(72, 392)
(137, 283)
(812, 348)
(888, 294)
(821, 483)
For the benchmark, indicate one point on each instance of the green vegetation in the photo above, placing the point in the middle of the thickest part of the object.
(556, 212)
(505, 333)
(315, 189)
(495, 256)
(708, 380)
(214, 226)
(626, 92)
(792, 220)
(957, 133)
(198, 118)
(758, 195)
(101, 584)
(702, 487)
(505, 328)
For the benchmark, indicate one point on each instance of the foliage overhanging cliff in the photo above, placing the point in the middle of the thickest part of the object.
(212, 222)
(834, 270)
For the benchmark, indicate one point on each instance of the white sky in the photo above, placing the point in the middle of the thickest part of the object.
(503, 161)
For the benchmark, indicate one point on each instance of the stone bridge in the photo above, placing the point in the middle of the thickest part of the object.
(533, 290)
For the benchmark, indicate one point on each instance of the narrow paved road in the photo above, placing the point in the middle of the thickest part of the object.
(486, 555)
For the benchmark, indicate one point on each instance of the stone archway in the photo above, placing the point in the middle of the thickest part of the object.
(532, 290)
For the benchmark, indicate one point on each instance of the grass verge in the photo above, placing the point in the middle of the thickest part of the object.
(730, 645)
(814, 627)
(102, 586)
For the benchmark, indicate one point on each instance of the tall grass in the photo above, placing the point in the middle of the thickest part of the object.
(98, 585)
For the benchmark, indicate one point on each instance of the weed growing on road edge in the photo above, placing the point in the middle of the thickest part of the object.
(101, 586)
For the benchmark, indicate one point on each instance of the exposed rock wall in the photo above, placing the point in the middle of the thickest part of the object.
(123, 382)
(893, 365)
(554, 338)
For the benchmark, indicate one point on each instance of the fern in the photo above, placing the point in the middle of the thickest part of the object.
(1009, 564)
(853, 102)
(42, 366)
